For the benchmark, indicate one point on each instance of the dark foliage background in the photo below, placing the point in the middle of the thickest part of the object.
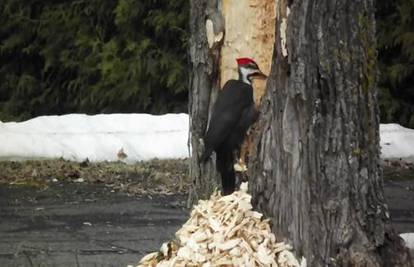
(104, 56)
(395, 27)
(92, 56)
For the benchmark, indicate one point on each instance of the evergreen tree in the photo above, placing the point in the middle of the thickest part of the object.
(395, 34)
(92, 56)
(130, 56)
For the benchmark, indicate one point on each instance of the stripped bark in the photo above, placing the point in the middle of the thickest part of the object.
(316, 172)
(213, 57)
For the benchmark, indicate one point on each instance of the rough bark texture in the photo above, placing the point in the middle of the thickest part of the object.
(206, 26)
(316, 171)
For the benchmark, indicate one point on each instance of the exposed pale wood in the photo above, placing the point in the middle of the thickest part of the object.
(250, 32)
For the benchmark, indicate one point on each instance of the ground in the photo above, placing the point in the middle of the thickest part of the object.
(59, 213)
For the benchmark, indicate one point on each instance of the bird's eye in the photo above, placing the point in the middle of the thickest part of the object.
(253, 66)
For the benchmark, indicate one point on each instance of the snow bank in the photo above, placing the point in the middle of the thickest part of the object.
(142, 137)
(409, 239)
(397, 142)
(98, 138)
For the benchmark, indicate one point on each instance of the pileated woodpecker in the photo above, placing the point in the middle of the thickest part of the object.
(233, 113)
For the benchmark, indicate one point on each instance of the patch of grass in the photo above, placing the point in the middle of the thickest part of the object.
(393, 173)
(150, 177)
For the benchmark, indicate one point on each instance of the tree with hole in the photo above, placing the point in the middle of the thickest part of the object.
(313, 165)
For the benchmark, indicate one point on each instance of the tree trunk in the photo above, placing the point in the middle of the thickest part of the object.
(316, 170)
(207, 30)
(213, 58)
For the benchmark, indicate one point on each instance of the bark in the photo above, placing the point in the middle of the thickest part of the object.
(207, 30)
(316, 172)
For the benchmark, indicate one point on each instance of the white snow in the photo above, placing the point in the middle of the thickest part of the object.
(409, 239)
(141, 136)
(397, 142)
(98, 138)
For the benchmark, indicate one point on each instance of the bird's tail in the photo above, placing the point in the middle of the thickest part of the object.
(225, 167)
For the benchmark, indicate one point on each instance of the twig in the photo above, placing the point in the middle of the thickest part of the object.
(77, 259)
(28, 257)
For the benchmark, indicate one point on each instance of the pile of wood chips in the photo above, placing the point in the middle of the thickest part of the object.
(224, 231)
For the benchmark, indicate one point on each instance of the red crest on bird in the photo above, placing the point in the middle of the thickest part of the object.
(245, 61)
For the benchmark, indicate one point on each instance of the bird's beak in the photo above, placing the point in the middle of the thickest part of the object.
(260, 75)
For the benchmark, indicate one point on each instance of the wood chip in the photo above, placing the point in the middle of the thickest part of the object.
(224, 231)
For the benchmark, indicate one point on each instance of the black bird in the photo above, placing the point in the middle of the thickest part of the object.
(233, 113)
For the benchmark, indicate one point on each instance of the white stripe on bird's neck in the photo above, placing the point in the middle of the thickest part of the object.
(244, 74)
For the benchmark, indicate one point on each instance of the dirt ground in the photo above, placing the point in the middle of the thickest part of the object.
(83, 225)
(58, 213)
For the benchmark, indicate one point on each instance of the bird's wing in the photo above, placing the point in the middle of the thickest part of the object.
(226, 114)
(220, 128)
